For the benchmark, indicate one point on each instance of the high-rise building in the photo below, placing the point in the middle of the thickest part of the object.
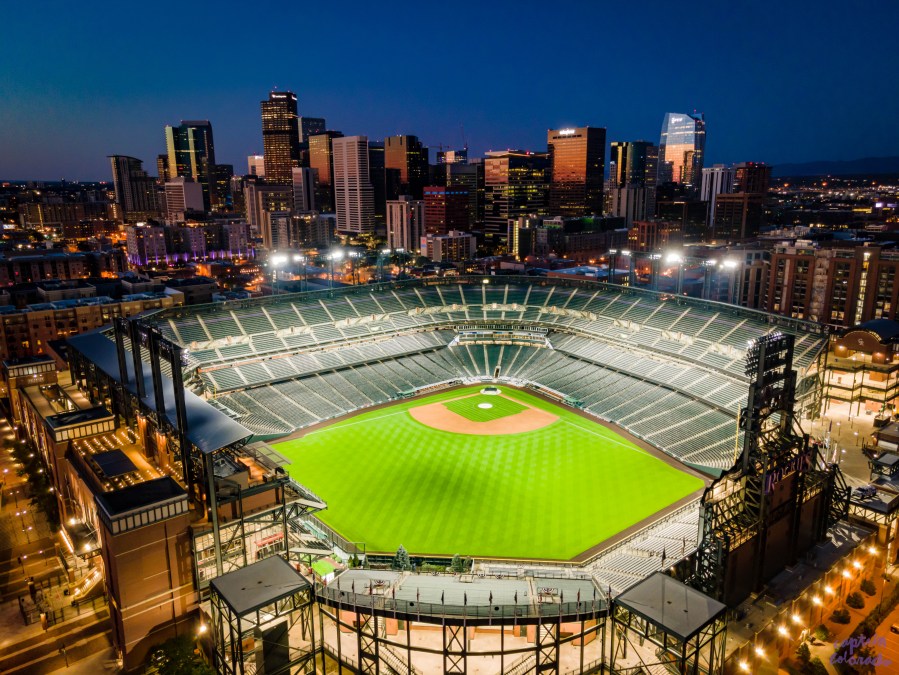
(353, 194)
(452, 156)
(310, 126)
(469, 177)
(738, 216)
(407, 155)
(182, 196)
(162, 168)
(631, 202)
(260, 198)
(446, 208)
(221, 183)
(191, 154)
(256, 166)
(321, 159)
(516, 184)
(377, 172)
(280, 136)
(405, 223)
(752, 177)
(453, 246)
(303, 189)
(681, 149)
(275, 230)
(135, 191)
(716, 180)
(633, 163)
(577, 166)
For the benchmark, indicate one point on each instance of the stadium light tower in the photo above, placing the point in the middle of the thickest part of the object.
(676, 258)
(277, 261)
(381, 254)
(301, 260)
(332, 256)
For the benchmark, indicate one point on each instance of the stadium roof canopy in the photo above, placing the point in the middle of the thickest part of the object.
(208, 429)
(257, 585)
(668, 603)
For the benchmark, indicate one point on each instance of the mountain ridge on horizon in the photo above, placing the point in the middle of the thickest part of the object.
(832, 167)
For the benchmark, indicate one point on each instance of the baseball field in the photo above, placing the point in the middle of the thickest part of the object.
(507, 474)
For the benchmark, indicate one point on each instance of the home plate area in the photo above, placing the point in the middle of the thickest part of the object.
(485, 414)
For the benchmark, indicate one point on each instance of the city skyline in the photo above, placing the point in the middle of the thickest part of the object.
(777, 105)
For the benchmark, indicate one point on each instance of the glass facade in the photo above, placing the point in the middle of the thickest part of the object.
(633, 163)
(577, 160)
(190, 152)
(681, 149)
(515, 184)
(409, 157)
(280, 136)
(321, 160)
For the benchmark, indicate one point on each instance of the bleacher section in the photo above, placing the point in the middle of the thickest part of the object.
(668, 369)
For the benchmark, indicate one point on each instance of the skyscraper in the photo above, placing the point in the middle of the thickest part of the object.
(633, 163)
(752, 177)
(311, 126)
(577, 165)
(716, 180)
(191, 154)
(303, 189)
(452, 156)
(681, 149)
(353, 195)
(256, 166)
(280, 136)
(446, 208)
(516, 184)
(407, 155)
(405, 223)
(135, 191)
(321, 159)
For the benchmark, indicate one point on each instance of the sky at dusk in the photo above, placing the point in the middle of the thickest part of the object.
(778, 82)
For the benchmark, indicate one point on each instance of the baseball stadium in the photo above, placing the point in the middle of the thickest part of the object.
(539, 449)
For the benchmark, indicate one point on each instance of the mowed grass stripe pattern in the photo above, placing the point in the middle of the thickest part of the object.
(547, 494)
(500, 406)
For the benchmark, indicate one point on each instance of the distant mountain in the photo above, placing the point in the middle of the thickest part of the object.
(852, 167)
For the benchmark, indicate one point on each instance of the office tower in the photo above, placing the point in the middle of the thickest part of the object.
(221, 179)
(303, 189)
(446, 208)
(652, 235)
(182, 196)
(256, 166)
(452, 156)
(405, 223)
(453, 246)
(275, 230)
(162, 168)
(310, 126)
(740, 215)
(321, 159)
(716, 180)
(260, 198)
(689, 213)
(752, 177)
(467, 176)
(631, 202)
(407, 155)
(353, 194)
(145, 244)
(191, 154)
(633, 163)
(377, 172)
(577, 165)
(516, 184)
(681, 149)
(280, 136)
(135, 191)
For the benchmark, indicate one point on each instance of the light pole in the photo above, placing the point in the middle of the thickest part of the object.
(630, 266)
(332, 256)
(383, 252)
(674, 258)
(276, 261)
(613, 259)
(301, 260)
(402, 252)
(352, 256)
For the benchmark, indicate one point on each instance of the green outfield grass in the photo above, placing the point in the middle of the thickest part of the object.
(550, 494)
(499, 407)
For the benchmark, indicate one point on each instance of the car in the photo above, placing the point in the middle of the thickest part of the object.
(894, 628)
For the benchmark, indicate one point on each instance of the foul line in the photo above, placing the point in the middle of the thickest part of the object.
(350, 424)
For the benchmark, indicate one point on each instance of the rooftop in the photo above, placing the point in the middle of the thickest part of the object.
(257, 585)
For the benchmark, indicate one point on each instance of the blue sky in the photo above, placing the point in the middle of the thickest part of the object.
(778, 82)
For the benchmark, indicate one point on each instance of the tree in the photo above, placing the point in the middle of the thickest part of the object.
(803, 655)
(868, 587)
(401, 559)
(457, 565)
(177, 656)
(855, 600)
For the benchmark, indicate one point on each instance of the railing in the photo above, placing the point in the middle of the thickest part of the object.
(347, 599)
(333, 536)
(523, 665)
